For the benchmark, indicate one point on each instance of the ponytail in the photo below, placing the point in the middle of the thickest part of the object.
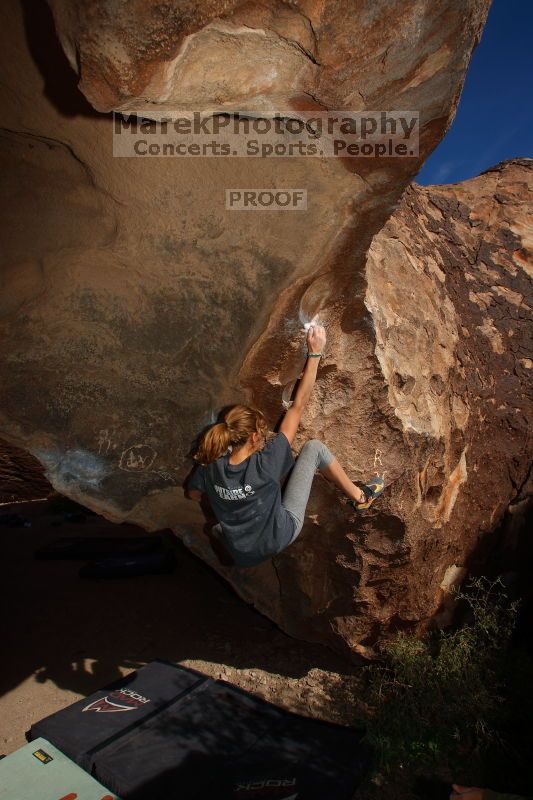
(239, 422)
(214, 443)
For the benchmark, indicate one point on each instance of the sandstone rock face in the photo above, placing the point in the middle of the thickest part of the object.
(427, 381)
(155, 60)
(21, 476)
(135, 305)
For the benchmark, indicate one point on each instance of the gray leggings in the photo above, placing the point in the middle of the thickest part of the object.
(313, 455)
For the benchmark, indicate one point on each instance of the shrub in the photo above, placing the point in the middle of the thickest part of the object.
(436, 701)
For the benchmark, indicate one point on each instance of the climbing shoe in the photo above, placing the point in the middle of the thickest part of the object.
(371, 490)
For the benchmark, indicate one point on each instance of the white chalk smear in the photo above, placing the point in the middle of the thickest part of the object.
(72, 467)
(306, 322)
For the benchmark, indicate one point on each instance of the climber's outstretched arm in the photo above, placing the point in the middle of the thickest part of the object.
(316, 340)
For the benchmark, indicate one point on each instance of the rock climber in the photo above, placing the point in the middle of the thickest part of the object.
(240, 466)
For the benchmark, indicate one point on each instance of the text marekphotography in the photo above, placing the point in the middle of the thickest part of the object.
(369, 134)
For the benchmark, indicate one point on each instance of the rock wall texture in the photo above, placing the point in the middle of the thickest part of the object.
(135, 305)
(21, 476)
(427, 380)
(158, 59)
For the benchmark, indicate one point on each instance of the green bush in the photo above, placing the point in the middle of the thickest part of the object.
(436, 701)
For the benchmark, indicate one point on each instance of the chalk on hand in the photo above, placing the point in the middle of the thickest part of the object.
(311, 324)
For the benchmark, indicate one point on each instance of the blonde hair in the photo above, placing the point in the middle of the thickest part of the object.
(239, 422)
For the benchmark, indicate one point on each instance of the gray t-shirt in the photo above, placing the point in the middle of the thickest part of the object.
(246, 500)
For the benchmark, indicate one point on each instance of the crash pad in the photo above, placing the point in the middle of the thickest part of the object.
(166, 731)
(39, 771)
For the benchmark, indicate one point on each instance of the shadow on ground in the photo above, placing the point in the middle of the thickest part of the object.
(78, 635)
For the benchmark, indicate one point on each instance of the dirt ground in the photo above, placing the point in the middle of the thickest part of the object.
(64, 637)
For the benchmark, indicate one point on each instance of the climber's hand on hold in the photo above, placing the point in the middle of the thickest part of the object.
(316, 338)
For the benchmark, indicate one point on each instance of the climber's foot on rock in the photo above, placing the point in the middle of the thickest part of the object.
(370, 490)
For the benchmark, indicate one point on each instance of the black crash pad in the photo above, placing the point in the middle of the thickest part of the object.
(167, 731)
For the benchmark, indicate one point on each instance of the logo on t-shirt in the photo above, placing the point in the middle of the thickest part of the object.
(234, 494)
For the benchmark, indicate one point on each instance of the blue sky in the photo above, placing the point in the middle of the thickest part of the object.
(494, 120)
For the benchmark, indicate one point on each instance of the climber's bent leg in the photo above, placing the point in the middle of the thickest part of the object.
(314, 455)
(335, 473)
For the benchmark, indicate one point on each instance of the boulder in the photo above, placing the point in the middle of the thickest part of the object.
(427, 381)
(136, 305)
(160, 59)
